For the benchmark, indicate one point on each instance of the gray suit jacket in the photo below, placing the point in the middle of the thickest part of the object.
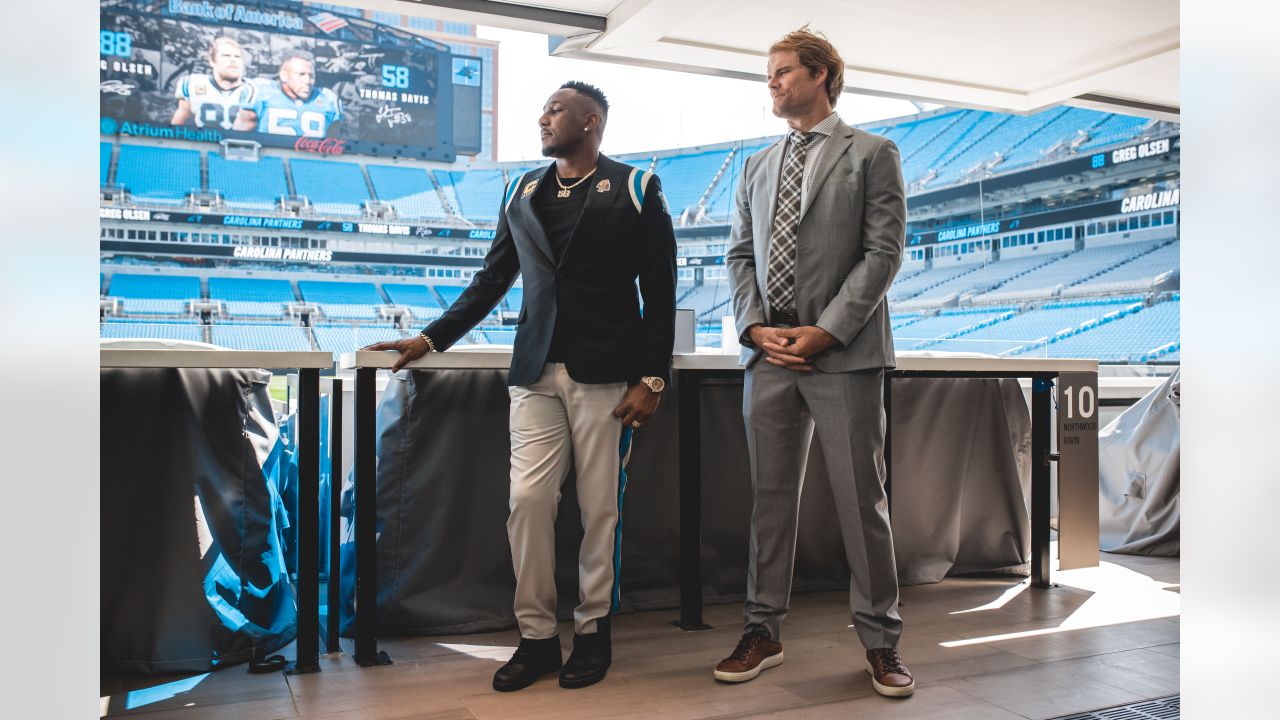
(849, 248)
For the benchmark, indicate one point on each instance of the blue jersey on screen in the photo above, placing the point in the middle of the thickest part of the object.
(210, 104)
(279, 114)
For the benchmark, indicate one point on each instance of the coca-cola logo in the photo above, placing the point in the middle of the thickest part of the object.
(322, 146)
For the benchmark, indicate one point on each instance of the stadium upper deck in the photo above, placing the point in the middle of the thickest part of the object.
(1104, 286)
(939, 149)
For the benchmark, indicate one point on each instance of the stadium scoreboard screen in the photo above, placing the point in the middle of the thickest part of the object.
(285, 75)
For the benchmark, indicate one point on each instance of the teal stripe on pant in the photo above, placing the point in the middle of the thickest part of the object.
(624, 451)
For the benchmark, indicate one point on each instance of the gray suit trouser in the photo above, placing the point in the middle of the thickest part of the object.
(782, 409)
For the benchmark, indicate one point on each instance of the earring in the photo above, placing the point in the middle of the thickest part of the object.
(586, 129)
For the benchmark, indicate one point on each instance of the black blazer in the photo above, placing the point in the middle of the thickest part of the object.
(623, 236)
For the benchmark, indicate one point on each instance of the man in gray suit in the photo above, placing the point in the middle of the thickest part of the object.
(817, 239)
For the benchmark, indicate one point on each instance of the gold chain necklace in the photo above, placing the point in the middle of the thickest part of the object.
(564, 189)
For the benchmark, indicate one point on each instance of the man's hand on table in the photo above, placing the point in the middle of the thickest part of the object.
(410, 349)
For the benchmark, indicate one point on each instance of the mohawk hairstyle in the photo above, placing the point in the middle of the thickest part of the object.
(590, 91)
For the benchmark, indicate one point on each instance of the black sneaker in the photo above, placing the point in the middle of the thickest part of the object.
(590, 660)
(532, 660)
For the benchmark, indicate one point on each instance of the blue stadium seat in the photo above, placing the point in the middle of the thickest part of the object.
(168, 287)
(1073, 268)
(411, 295)
(924, 331)
(153, 306)
(908, 287)
(1117, 129)
(903, 319)
(1063, 125)
(343, 293)
(1136, 274)
(158, 174)
(253, 309)
(344, 311)
(1123, 339)
(686, 177)
(942, 134)
(1009, 335)
(289, 338)
(968, 149)
(985, 277)
(645, 162)
(478, 193)
(449, 293)
(248, 185)
(333, 187)
(104, 162)
(118, 330)
(423, 314)
(250, 289)
(915, 136)
(407, 189)
(720, 204)
(952, 143)
(339, 339)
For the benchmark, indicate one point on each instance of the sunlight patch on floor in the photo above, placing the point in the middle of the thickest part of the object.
(156, 693)
(1119, 595)
(499, 653)
(1001, 601)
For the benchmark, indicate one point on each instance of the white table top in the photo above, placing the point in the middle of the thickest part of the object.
(137, 358)
(500, 359)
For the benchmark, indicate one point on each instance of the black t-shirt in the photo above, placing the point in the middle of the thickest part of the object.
(559, 216)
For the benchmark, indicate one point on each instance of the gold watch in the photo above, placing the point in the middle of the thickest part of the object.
(655, 384)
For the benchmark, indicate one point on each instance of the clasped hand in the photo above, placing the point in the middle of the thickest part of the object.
(791, 348)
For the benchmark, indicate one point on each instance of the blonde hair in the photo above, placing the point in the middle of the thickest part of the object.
(213, 46)
(814, 52)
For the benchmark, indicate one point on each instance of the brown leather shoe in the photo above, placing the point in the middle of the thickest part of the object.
(888, 675)
(755, 653)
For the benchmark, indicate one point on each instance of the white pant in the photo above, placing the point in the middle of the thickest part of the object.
(554, 421)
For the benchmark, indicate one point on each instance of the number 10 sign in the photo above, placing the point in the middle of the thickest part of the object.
(1078, 470)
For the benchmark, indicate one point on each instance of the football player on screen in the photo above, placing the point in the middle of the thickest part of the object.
(215, 100)
(293, 105)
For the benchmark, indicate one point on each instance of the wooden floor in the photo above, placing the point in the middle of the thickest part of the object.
(987, 648)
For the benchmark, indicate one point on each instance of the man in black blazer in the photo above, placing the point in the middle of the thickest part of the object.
(588, 366)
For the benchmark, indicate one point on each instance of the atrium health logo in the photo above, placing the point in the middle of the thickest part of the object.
(107, 126)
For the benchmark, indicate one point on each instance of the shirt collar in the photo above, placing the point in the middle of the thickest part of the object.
(827, 126)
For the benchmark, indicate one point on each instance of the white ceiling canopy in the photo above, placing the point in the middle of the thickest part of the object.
(1004, 55)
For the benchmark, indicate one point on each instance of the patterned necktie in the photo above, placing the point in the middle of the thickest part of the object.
(781, 280)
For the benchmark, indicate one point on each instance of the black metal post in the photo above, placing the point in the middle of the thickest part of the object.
(1041, 399)
(689, 388)
(366, 517)
(335, 514)
(308, 444)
